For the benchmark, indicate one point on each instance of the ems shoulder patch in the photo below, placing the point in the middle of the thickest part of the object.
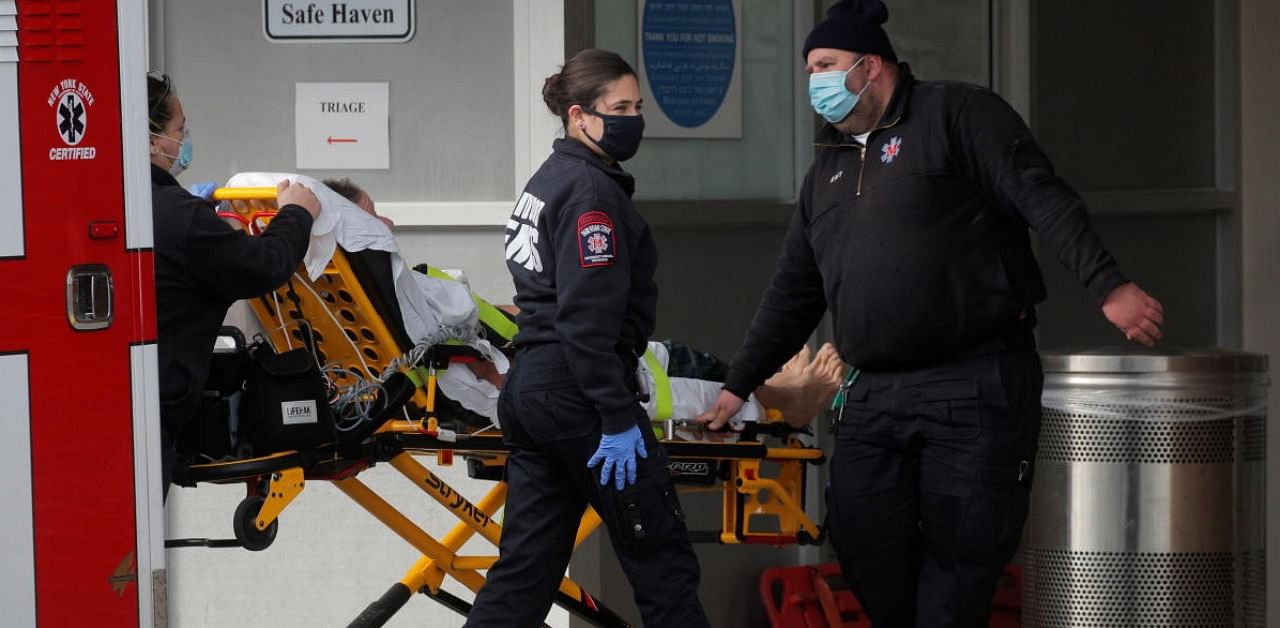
(596, 246)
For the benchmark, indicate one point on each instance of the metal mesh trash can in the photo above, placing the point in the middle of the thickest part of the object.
(1149, 504)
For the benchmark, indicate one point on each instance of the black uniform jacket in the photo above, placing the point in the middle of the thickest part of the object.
(918, 241)
(582, 260)
(203, 265)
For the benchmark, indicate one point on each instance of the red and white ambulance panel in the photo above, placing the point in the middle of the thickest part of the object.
(81, 529)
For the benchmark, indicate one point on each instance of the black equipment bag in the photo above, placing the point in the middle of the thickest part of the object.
(285, 402)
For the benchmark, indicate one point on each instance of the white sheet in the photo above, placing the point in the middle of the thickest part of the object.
(434, 310)
(689, 397)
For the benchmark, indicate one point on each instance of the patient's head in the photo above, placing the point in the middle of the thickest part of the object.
(354, 193)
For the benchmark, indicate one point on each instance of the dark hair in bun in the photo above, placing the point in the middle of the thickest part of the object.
(159, 88)
(582, 79)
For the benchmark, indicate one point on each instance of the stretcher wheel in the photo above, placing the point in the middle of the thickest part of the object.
(247, 533)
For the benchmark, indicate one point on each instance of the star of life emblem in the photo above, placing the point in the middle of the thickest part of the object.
(597, 243)
(595, 239)
(889, 151)
(71, 101)
(72, 118)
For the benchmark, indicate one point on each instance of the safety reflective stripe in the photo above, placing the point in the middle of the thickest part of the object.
(495, 319)
(661, 386)
(489, 315)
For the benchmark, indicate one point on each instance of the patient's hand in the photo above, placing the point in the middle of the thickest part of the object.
(297, 194)
(726, 406)
(487, 371)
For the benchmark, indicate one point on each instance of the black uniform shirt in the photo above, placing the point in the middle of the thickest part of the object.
(583, 260)
(918, 240)
(203, 265)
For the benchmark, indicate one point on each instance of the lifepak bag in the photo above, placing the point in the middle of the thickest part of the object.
(286, 401)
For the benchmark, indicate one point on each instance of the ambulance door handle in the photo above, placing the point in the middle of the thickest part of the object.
(90, 298)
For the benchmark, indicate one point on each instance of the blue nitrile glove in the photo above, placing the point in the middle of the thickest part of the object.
(204, 189)
(619, 451)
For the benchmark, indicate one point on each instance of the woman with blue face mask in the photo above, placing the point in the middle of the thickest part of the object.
(582, 260)
(203, 265)
(171, 148)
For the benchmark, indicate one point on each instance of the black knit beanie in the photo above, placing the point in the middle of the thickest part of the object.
(853, 25)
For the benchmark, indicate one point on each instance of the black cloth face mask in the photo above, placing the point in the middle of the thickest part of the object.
(622, 134)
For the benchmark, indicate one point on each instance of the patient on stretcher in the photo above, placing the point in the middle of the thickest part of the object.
(435, 309)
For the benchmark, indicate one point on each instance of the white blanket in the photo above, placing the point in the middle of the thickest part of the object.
(689, 397)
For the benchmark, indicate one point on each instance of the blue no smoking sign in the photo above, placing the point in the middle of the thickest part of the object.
(689, 49)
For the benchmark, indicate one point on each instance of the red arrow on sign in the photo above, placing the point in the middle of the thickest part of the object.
(342, 140)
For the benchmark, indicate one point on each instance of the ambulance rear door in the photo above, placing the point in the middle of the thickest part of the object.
(81, 527)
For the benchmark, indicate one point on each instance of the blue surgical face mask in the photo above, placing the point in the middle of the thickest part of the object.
(182, 160)
(829, 96)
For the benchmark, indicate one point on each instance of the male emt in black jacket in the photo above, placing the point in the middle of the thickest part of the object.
(912, 228)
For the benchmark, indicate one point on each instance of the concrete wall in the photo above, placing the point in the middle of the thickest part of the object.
(450, 91)
(1260, 201)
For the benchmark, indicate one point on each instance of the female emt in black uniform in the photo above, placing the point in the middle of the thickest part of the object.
(203, 265)
(583, 261)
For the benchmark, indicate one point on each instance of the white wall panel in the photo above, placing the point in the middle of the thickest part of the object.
(11, 243)
(17, 540)
(148, 500)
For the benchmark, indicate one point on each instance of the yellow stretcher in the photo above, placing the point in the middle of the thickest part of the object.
(762, 485)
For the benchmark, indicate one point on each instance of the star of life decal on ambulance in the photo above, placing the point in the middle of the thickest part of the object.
(71, 100)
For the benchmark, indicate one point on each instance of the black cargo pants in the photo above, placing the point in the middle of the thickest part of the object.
(553, 431)
(929, 484)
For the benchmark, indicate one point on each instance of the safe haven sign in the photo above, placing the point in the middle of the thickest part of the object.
(387, 21)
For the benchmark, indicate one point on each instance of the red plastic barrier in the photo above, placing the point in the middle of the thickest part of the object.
(1006, 607)
(810, 596)
(815, 596)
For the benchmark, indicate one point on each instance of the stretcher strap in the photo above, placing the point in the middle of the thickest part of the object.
(417, 375)
(489, 315)
(661, 386)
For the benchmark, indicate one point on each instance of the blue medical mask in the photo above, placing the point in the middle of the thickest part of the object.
(622, 134)
(829, 96)
(182, 160)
